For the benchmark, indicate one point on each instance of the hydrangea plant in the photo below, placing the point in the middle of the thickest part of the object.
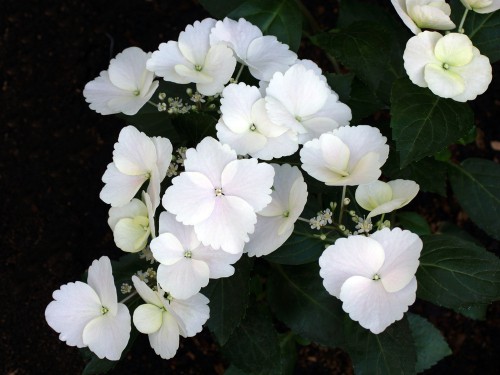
(274, 186)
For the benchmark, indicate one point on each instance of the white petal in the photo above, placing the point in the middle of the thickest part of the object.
(146, 293)
(219, 65)
(370, 196)
(403, 191)
(218, 261)
(151, 213)
(184, 233)
(316, 126)
(75, 304)
(108, 335)
(100, 91)
(431, 17)
(134, 153)
(477, 76)
(262, 121)
(147, 318)
(100, 278)
(163, 61)
(127, 69)
(193, 311)
(236, 106)
(454, 49)
(183, 279)
(194, 41)
(249, 142)
(282, 116)
(442, 82)
(134, 208)
(277, 147)
(167, 249)
(265, 238)
(352, 256)
(418, 53)
(119, 188)
(131, 235)
(400, 6)
(266, 55)
(165, 341)
(365, 171)
(163, 148)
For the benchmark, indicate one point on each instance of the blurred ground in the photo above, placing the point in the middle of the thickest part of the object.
(53, 154)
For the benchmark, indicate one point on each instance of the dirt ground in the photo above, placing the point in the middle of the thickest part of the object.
(54, 151)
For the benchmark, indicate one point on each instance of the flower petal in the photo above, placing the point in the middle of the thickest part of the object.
(100, 278)
(442, 82)
(119, 188)
(134, 153)
(418, 53)
(163, 61)
(146, 293)
(165, 341)
(219, 65)
(184, 278)
(167, 249)
(147, 318)
(193, 311)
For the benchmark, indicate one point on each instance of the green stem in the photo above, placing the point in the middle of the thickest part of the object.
(239, 73)
(133, 294)
(342, 204)
(152, 103)
(460, 27)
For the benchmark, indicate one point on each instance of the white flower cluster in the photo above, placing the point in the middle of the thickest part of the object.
(450, 66)
(221, 204)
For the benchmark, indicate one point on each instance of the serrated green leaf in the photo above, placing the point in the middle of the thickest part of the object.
(423, 123)
(390, 352)
(298, 298)
(429, 343)
(413, 222)
(254, 345)
(228, 300)
(455, 273)
(280, 18)
(476, 184)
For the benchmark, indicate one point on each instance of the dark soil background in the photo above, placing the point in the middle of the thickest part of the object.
(54, 152)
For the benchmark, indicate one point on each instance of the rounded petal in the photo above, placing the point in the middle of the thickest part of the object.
(146, 293)
(431, 17)
(370, 196)
(184, 233)
(131, 235)
(418, 53)
(184, 278)
(165, 341)
(147, 318)
(167, 249)
(100, 91)
(119, 188)
(163, 61)
(277, 147)
(100, 278)
(400, 7)
(132, 209)
(442, 82)
(163, 148)
(193, 311)
(266, 237)
(454, 49)
(477, 76)
(218, 261)
(219, 65)
(236, 106)
(134, 153)
(249, 142)
(194, 41)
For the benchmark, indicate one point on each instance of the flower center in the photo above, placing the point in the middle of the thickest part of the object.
(218, 192)
(198, 68)
(445, 66)
(286, 213)
(188, 254)
(376, 277)
(137, 92)
(253, 128)
(104, 310)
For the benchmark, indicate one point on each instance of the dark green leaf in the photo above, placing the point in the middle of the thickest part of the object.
(97, 365)
(390, 352)
(298, 298)
(476, 312)
(413, 222)
(220, 8)
(193, 127)
(280, 18)
(455, 273)
(423, 123)
(429, 343)
(341, 84)
(476, 185)
(446, 227)
(362, 102)
(228, 300)
(352, 11)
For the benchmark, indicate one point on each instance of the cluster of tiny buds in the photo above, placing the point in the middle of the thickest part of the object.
(150, 273)
(363, 226)
(177, 161)
(126, 288)
(147, 254)
(323, 218)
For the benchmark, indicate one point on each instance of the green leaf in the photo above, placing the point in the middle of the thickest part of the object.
(97, 365)
(429, 343)
(254, 346)
(352, 11)
(423, 123)
(455, 273)
(413, 222)
(341, 84)
(193, 127)
(476, 185)
(476, 312)
(390, 352)
(228, 300)
(280, 18)
(220, 8)
(297, 297)
(362, 102)
(434, 182)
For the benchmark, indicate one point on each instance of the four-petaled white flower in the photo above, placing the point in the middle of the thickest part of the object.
(350, 155)
(219, 195)
(449, 65)
(264, 55)
(125, 87)
(164, 318)
(193, 59)
(373, 276)
(303, 102)
(482, 6)
(89, 314)
(424, 14)
(136, 159)
(186, 264)
(380, 197)
(275, 222)
(245, 126)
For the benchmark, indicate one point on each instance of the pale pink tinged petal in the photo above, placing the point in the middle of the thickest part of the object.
(418, 53)
(335, 110)
(442, 82)
(147, 318)
(184, 278)
(228, 226)
(296, 203)
(184, 233)
(127, 69)
(351, 256)
(146, 293)
(167, 249)
(99, 92)
(335, 154)
(165, 341)
(163, 148)
(75, 304)
(119, 188)
(210, 158)
(365, 171)
(134, 208)
(277, 147)
(284, 177)
(131, 235)
(193, 311)
(250, 181)
(265, 238)
(194, 41)
(219, 64)
(236, 106)
(400, 6)
(279, 114)
(126, 103)
(367, 302)
(163, 61)
(476, 76)
(134, 153)
(218, 261)
(100, 278)
(402, 249)
(191, 197)
(248, 142)
(262, 121)
(108, 335)
(266, 55)
(430, 17)
(151, 213)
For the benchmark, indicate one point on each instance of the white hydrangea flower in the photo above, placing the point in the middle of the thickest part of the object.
(482, 6)
(276, 221)
(303, 102)
(450, 66)
(264, 55)
(373, 276)
(219, 195)
(132, 224)
(136, 159)
(424, 14)
(245, 126)
(350, 155)
(164, 318)
(90, 315)
(186, 265)
(125, 87)
(193, 59)
(380, 197)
